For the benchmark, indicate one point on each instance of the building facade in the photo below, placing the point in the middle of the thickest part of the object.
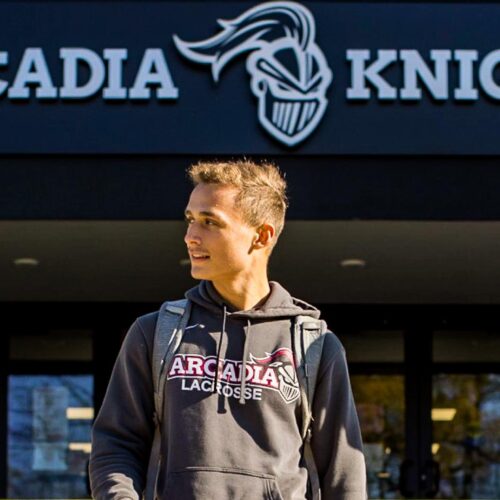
(384, 117)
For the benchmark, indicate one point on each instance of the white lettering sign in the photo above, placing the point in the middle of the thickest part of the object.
(290, 76)
(71, 60)
(417, 74)
(361, 73)
(33, 70)
(153, 76)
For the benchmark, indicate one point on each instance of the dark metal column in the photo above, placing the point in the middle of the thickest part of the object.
(4, 373)
(418, 474)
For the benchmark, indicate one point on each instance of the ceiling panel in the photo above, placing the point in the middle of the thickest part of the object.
(140, 261)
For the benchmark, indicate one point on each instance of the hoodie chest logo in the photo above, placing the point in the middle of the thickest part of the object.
(275, 372)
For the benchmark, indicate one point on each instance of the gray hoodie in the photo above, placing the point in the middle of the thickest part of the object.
(225, 436)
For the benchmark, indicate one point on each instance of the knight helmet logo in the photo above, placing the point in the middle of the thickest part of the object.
(282, 360)
(289, 72)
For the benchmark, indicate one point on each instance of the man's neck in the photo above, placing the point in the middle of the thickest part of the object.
(244, 294)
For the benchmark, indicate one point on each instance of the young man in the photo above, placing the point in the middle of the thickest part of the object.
(226, 436)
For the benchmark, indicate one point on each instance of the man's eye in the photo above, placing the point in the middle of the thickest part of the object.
(188, 220)
(209, 222)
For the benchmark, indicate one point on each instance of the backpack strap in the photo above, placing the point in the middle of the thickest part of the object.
(308, 342)
(172, 320)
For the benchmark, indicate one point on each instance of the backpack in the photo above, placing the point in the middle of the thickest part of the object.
(307, 345)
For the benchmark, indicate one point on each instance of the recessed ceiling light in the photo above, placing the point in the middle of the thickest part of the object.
(185, 262)
(353, 263)
(26, 262)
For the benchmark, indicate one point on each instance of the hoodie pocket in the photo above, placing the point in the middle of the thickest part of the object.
(202, 483)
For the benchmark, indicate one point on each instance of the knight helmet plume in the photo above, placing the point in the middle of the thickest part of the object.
(250, 31)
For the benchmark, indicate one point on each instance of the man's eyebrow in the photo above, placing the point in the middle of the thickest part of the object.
(206, 213)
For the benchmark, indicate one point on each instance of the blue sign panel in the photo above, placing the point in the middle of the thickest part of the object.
(258, 78)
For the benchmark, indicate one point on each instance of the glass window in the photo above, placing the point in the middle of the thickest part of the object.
(57, 345)
(465, 347)
(380, 404)
(466, 434)
(49, 422)
(372, 346)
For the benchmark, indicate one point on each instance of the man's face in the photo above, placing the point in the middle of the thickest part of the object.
(219, 241)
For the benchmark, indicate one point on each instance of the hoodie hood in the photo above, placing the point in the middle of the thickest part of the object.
(279, 303)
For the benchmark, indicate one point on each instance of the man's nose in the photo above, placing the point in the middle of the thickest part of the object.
(191, 237)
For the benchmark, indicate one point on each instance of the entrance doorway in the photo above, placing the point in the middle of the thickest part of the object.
(429, 407)
(426, 382)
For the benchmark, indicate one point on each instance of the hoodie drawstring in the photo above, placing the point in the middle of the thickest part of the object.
(246, 348)
(223, 329)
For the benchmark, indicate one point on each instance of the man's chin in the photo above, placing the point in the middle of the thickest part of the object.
(199, 274)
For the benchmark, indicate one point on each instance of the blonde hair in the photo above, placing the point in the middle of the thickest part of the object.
(261, 188)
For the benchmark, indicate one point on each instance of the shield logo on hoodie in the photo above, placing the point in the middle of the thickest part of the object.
(289, 72)
(282, 361)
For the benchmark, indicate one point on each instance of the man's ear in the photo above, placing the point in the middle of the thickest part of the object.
(265, 236)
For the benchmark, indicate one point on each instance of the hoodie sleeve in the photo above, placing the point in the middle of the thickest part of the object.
(123, 430)
(336, 437)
